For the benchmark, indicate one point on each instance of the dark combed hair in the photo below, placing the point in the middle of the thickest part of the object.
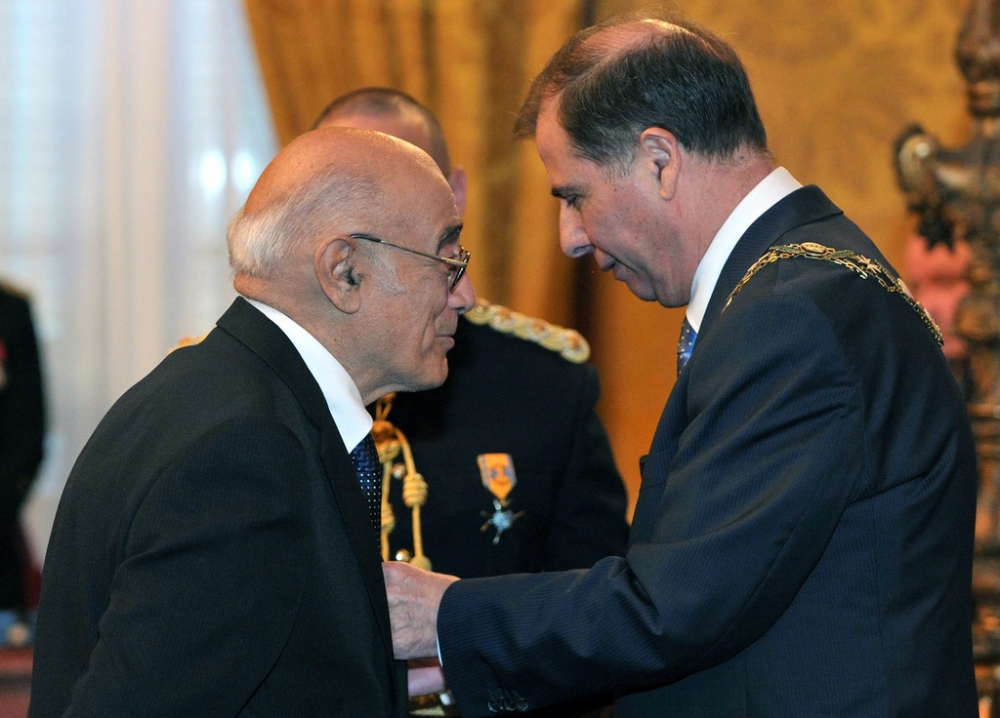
(682, 79)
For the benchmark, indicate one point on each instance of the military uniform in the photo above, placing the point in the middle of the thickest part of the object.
(519, 472)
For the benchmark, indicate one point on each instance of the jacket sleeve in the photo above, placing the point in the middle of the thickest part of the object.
(742, 496)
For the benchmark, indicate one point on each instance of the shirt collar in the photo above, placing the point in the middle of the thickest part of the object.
(768, 192)
(341, 393)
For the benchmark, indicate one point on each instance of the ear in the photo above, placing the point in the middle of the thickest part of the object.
(334, 265)
(661, 150)
(457, 180)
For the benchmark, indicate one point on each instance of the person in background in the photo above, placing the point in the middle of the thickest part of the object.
(802, 543)
(939, 279)
(22, 432)
(215, 550)
(519, 469)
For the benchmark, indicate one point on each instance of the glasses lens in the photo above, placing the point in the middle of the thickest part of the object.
(455, 273)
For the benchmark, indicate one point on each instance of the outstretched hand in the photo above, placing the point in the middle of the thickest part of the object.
(414, 599)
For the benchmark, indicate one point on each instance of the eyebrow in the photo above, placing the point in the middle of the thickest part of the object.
(449, 236)
(565, 191)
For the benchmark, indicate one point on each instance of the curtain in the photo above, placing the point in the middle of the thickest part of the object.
(129, 134)
(470, 62)
(836, 82)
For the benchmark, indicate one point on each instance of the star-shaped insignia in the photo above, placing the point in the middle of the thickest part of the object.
(501, 519)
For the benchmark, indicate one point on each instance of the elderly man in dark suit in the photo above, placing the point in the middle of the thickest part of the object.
(215, 552)
(512, 406)
(802, 542)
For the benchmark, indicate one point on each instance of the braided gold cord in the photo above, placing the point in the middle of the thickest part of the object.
(858, 263)
(392, 443)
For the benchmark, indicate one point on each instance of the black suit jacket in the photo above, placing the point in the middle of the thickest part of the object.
(212, 553)
(22, 411)
(803, 536)
(511, 396)
(22, 432)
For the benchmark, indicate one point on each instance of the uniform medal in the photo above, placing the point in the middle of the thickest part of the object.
(497, 473)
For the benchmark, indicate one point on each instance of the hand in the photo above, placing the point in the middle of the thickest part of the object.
(425, 677)
(414, 599)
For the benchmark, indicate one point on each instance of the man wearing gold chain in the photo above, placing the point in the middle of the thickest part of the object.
(802, 542)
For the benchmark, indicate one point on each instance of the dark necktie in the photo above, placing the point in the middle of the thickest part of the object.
(685, 345)
(366, 463)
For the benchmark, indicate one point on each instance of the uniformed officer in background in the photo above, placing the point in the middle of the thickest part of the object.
(520, 475)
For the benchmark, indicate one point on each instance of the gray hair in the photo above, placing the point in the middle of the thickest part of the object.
(261, 242)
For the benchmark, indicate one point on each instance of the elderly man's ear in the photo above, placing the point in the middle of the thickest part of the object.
(335, 264)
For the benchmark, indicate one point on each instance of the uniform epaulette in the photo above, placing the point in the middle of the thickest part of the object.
(189, 340)
(14, 290)
(568, 342)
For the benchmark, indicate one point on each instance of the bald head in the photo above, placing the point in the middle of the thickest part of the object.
(325, 179)
(395, 113)
(337, 155)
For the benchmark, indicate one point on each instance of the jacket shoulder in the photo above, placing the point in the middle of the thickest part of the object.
(568, 343)
(879, 273)
(11, 291)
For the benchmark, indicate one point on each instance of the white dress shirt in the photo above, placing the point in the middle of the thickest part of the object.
(341, 393)
(768, 192)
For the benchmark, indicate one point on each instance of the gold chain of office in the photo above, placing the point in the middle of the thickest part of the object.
(866, 268)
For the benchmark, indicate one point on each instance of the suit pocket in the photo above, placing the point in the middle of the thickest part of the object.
(654, 469)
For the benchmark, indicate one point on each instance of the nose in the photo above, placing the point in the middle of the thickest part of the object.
(573, 237)
(464, 296)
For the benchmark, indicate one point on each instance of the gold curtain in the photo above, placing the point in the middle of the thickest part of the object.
(836, 82)
(470, 63)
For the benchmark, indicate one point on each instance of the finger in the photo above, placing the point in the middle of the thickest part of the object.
(422, 681)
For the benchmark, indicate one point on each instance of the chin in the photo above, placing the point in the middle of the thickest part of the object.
(641, 290)
(432, 379)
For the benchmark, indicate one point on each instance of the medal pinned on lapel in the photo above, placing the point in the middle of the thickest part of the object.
(497, 473)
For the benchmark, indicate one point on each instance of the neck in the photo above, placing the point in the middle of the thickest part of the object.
(724, 186)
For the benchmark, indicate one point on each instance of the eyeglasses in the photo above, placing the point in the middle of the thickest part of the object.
(456, 266)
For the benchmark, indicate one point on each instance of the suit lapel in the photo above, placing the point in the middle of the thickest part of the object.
(266, 340)
(802, 206)
(805, 205)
